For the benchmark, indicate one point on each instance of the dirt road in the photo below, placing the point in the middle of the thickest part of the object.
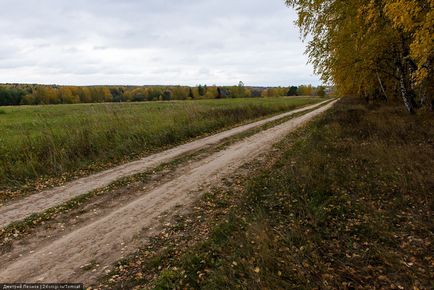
(108, 238)
(42, 201)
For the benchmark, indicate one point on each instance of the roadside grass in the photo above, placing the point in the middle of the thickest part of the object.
(349, 205)
(66, 141)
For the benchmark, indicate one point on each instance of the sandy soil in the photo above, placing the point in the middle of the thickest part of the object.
(44, 200)
(110, 237)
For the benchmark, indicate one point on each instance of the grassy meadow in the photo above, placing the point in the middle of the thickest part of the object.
(39, 142)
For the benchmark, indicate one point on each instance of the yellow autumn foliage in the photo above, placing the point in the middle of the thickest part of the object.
(374, 48)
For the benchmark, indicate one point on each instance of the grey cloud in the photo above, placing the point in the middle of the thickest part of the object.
(153, 41)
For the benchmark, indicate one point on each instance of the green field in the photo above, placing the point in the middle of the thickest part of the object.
(38, 142)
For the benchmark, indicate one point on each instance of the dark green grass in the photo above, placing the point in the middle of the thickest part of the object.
(53, 141)
(348, 206)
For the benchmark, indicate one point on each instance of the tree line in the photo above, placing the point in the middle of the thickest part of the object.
(372, 48)
(24, 94)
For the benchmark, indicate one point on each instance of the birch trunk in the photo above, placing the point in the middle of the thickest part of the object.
(407, 96)
(382, 87)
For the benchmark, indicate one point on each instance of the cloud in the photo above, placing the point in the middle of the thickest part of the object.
(151, 42)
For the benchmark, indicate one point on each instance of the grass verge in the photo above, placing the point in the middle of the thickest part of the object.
(347, 205)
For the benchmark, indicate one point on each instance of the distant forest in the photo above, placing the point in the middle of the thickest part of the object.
(32, 94)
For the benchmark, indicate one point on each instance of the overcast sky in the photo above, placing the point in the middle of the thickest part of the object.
(136, 42)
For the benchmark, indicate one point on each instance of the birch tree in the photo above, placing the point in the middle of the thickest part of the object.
(370, 48)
